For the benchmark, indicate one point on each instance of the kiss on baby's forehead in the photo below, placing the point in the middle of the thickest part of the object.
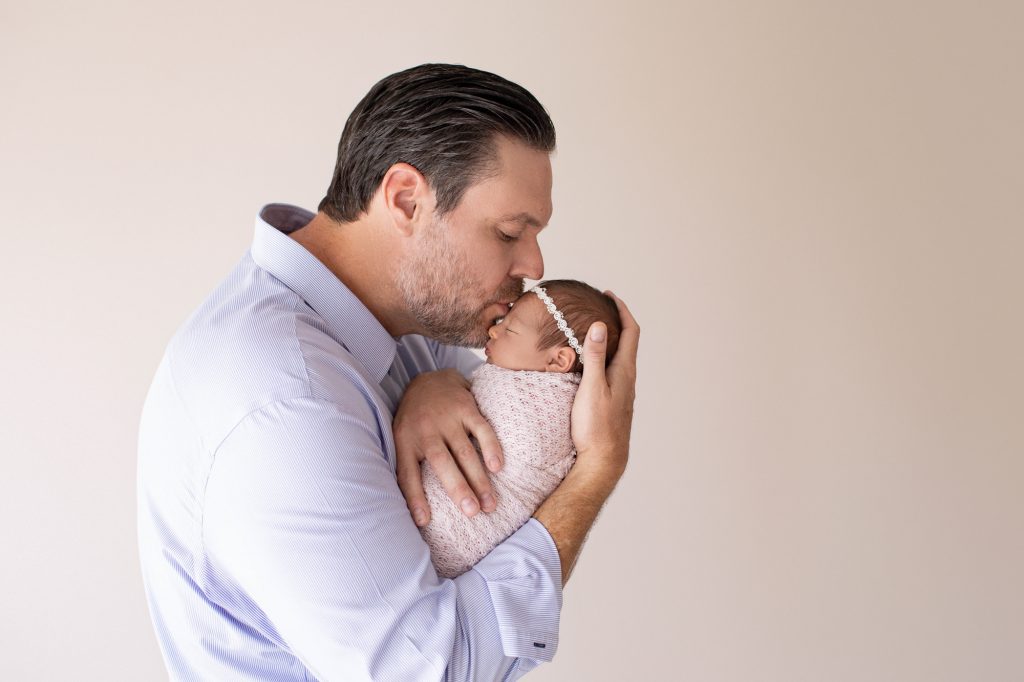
(545, 325)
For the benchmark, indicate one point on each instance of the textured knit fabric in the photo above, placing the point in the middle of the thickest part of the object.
(529, 412)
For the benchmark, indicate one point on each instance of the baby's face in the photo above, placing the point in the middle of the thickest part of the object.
(513, 343)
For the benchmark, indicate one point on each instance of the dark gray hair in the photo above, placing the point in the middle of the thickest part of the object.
(441, 119)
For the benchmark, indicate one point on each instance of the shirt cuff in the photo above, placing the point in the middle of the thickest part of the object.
(524, 578)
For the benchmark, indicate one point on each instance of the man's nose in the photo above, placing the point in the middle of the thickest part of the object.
(530, 261)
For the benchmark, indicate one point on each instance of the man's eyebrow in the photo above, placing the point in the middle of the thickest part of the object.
(521, 218)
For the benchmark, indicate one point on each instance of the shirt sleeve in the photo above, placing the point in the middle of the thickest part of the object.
(307, 539)
(454, 357)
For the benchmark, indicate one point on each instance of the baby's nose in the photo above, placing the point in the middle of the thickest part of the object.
(493, 332)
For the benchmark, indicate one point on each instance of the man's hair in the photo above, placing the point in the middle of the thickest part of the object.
(581, 305)
(441, 119)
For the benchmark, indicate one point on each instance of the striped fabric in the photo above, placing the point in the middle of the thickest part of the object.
(274, 540)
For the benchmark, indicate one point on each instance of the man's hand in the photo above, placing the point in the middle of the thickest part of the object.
(434, 420)
(602, 414)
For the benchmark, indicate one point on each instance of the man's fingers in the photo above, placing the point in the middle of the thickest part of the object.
(473, 470)
(629, 337)
(452, 479)
(410, 480)
(489, 445)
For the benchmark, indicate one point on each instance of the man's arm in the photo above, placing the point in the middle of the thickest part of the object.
(602, 416)
(438, 411)
(307, 539)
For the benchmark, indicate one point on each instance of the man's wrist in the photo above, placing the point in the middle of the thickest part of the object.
(570, 511)
(600, 470)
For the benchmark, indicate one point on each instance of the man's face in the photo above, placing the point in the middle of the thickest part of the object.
(467, 267)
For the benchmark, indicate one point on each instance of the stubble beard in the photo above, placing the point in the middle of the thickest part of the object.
(439, 294)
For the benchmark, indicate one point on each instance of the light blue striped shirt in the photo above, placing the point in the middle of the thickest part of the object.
(274, 540)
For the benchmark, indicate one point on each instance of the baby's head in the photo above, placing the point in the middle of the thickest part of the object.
(528, 337)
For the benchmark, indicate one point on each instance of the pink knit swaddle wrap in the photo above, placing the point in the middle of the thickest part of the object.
(529, 412)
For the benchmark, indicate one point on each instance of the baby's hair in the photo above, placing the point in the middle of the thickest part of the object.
(581, 305)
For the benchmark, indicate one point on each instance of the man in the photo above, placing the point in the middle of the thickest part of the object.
(291, 412)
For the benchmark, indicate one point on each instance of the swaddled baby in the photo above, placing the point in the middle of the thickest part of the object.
(525, 390)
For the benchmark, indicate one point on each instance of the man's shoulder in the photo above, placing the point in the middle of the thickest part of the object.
(242, 335)
(254, 342)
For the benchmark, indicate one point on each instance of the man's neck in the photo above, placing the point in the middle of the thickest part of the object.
(361, 256)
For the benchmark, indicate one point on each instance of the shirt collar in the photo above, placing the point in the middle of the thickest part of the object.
(348, 321)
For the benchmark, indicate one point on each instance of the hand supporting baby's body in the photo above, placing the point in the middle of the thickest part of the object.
(529, 412)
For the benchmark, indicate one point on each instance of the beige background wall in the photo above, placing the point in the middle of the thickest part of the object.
(814, 210)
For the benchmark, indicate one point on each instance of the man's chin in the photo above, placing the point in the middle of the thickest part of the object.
(479, 335)
(478, 339)
(475, 338)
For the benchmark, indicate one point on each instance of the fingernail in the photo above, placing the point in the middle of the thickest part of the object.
(469, 505)
(597, 333)
(420, 517)
(486, 501)
(493, 464)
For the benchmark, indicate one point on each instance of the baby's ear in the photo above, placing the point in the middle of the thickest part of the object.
(560, 359)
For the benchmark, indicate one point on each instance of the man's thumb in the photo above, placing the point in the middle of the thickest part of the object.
(594, 347)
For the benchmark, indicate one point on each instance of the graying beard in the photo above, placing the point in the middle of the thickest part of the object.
(439, 315)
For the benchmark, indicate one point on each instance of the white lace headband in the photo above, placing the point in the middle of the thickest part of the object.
(562, 324)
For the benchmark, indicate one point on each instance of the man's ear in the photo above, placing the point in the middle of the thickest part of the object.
(560, 359)
(407, 196)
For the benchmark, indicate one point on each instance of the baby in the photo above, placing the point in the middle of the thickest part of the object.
(525, 390)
